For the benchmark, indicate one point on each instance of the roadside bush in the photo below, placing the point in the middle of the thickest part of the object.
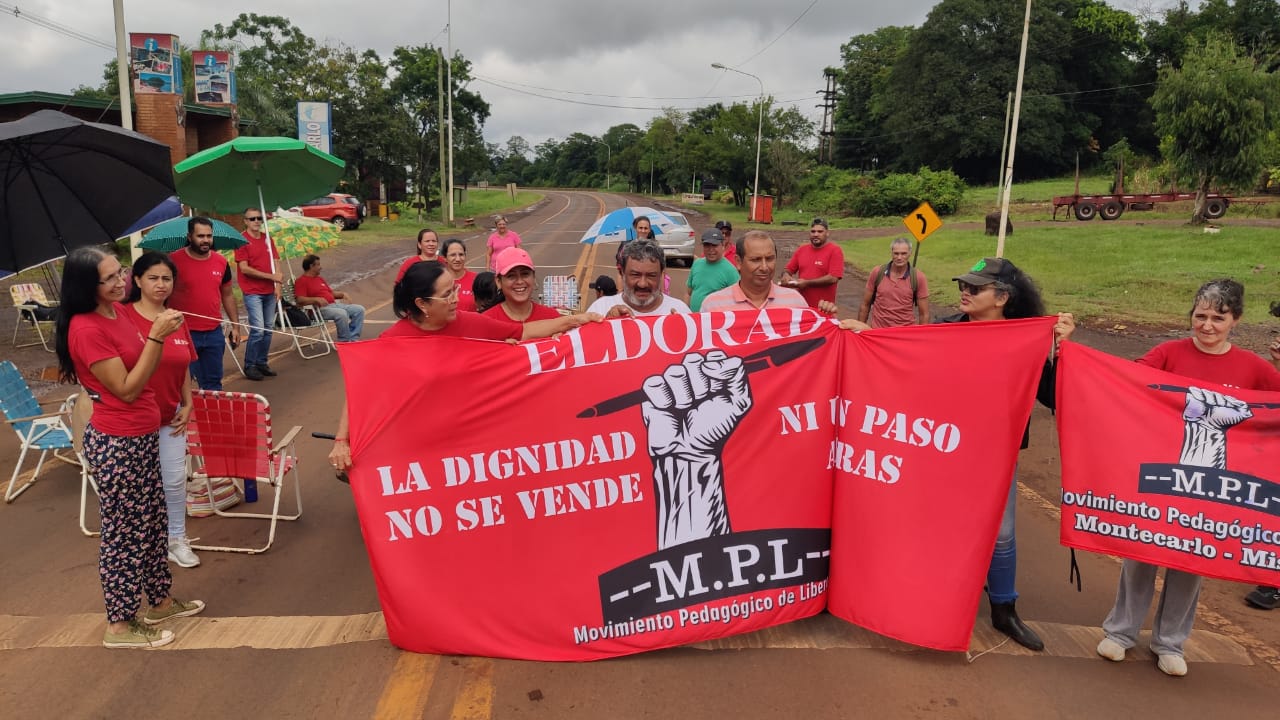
(851, 193)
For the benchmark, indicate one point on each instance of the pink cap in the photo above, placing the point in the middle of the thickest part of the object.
(512, 257)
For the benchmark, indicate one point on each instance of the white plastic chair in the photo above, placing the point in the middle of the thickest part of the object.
(27, 299)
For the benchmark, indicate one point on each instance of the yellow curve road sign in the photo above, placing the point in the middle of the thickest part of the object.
(922, 222)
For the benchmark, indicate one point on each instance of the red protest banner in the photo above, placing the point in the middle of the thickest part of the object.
(934, 421)
(650, 482)
(1169, 470)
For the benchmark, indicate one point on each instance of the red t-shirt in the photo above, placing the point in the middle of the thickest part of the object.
(307, 286)
(198, 288)
(467, 324)
(808, 263)
(540, 312)
(92, 338)
(175, 364)
(256, 255)
(466, 296)
(1235, 368)
(408, 263)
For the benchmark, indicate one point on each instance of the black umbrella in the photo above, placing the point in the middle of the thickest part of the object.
(66, 183)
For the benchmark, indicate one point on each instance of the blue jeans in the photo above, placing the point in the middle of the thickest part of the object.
(348, 319)
(262, 315)
(207, 367)
(1004, 559)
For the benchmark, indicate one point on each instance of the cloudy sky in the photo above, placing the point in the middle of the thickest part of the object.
(547, 67)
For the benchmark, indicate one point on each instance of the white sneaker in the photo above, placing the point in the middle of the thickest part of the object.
(180, 552)
(1174, 665)
(1111, 650)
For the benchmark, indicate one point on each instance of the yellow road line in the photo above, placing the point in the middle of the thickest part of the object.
(405, 694)
(475, 697)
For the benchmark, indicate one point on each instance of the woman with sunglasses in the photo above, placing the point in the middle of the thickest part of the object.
(995, 289)
(426, 301)
(99, 347)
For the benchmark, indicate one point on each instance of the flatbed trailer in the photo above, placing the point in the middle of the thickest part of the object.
(1111, 207)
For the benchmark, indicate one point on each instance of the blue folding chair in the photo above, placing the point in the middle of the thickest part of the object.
(36, 429)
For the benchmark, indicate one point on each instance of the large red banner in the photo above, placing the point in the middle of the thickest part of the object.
(651, 482)
(1169, 470)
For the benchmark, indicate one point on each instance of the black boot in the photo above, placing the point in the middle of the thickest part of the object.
(1004, 617)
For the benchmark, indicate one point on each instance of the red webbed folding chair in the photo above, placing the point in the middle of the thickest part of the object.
(229, 436)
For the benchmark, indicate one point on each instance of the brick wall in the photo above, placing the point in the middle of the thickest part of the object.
(157, 115)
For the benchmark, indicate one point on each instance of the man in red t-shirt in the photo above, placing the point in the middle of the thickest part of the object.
(815, 268)
(202, 291)
(260, 279)
(311, 289)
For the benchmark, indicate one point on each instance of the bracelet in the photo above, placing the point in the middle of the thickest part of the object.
(154, 340)
(339, 439)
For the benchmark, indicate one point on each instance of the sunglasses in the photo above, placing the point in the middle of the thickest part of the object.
(255, 218)
(971, 289)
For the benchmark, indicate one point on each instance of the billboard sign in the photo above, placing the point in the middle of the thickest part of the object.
(315, 125)
(155, 63)
(215, 77)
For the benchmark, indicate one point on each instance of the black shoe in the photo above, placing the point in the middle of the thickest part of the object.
(252, 372)
(1264, 598)
(1004, 617)
(266, 370)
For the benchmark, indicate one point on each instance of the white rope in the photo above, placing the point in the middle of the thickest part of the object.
(286, 333)
(970, 657)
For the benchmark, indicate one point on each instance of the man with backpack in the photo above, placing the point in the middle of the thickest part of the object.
(897, 294)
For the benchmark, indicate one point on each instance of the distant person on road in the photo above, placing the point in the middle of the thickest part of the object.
(814, 269)
(730, 245)
(154, 277)
(455, 258)
(712, 271)
(260, 278)
(102, 350)
(642, 269)
(426, 301)
(755, 289)
(1207, 355)
(517, 279)
(500, 240)
(996, 289)
(312, 289)
(896, 293)
(428, 246)
(202, 287)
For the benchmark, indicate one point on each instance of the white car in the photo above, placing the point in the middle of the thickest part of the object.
(678, 241)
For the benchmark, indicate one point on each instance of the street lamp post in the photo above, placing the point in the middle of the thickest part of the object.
(755, 188)
(608, 162)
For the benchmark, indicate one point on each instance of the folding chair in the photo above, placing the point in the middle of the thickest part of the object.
(36, 429)
(29, 300)
(315, 322)
(80, 410)
(229, 436)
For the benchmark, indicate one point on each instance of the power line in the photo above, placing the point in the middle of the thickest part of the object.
(500, 83)
(58, 28)
(622, 107)
(779, 37)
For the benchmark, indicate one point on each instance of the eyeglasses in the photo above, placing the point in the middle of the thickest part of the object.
(255, 218)
(453, 293)
(971, 289)
(117, 277)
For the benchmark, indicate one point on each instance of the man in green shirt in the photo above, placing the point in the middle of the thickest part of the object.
(711, 272)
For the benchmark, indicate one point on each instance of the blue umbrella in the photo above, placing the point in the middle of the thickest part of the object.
(172, 234)
(166, 210)
(616, 226)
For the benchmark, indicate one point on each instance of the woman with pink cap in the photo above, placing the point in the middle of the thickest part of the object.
(514, 271)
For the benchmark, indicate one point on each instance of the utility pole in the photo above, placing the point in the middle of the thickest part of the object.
(123, 80)
(1013, 134)
(444, 184)
(449, 99)
(826, 136)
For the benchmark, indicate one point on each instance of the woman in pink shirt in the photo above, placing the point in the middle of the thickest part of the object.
(500, 240)
(100, 348)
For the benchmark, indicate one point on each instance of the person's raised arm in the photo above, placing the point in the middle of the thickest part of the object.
(128, 384)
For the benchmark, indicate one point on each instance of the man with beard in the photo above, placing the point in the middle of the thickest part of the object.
(755, 288)
(815, 268)
(202, 289)
(641, 266)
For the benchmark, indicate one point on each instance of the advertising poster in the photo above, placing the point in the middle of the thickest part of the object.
(157, 67)
(214, 74)
(315, 125)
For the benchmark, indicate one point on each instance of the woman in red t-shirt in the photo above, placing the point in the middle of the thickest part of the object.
(517, 279)
(428, 251)
(455, 258)
(154, 277)
(100, 348)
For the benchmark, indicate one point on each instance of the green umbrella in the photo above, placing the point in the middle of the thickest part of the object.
(172, 234)
(256, 172)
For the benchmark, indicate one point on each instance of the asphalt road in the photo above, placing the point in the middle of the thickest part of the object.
(296, 632)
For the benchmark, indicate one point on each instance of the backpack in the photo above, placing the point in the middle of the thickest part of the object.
(882, 272)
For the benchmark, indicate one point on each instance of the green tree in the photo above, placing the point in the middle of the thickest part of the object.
(276, 65)
(1215, 113)
(861, 83)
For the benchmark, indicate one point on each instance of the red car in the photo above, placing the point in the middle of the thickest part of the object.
(345, 211)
